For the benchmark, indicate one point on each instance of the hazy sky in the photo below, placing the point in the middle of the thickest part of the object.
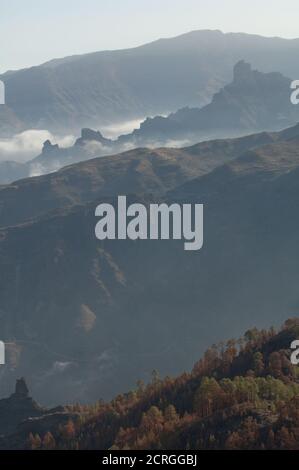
(33, 31)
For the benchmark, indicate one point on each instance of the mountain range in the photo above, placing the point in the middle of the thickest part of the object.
(100, 88)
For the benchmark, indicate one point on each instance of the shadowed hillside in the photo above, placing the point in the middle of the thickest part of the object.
(90, 317)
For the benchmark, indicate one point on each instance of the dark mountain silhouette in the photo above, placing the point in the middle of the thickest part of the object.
(252, 102)
(92, 90)
(86, 318)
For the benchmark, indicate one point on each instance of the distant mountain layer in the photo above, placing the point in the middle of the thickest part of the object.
(111, 86)
(141, 170)
(85, 318)
(252, 102)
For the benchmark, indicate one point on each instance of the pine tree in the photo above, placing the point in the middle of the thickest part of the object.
(48, 441)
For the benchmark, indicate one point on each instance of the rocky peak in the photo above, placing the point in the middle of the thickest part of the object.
(48, 147)
(89, 135)
(242, 71)
(21, 389)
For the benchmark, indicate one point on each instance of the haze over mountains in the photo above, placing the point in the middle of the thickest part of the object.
(92, 90)
(252, 102)
(85, 318)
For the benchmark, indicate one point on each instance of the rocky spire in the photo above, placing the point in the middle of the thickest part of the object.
(49, 147)
(242, 71)
(21, 390)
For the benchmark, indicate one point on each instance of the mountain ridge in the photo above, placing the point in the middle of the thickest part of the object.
(44, 96)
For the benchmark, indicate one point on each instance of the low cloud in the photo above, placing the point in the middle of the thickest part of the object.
(126, 127)
(28, 144)
(38, 169)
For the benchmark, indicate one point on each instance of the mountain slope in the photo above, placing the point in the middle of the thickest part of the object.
(139, 170)
(90, 317)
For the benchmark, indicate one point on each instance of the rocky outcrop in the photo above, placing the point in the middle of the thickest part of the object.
(17, 408)
(253, 101)
(48, 147)
(89, 135)
(20, 415)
